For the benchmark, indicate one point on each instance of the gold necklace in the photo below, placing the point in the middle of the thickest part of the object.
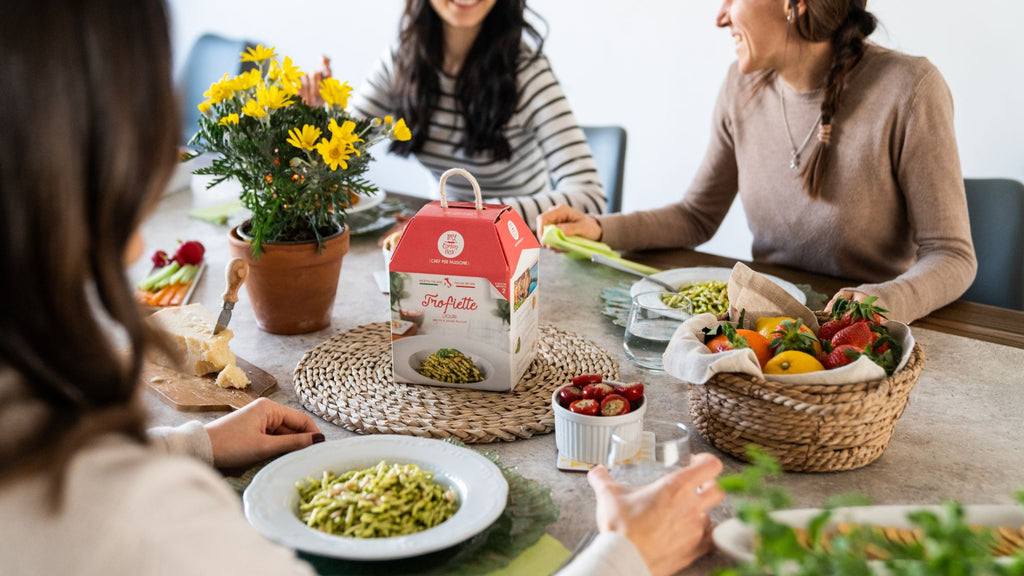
(794, 151)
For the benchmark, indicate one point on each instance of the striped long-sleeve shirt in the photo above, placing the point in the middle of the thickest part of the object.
(551, 161)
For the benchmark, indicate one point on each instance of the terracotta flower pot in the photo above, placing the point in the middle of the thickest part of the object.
(292, 285)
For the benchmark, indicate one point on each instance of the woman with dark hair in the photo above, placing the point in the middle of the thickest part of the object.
(84, 489)
(843, 154)
(476, 95)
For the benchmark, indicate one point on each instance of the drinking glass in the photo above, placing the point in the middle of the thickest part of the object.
(651, 325)
(633, 464)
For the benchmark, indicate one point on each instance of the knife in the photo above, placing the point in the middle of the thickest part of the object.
(236, 272)
(599, 259)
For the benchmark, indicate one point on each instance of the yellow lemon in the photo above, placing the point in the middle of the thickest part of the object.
(792, 362)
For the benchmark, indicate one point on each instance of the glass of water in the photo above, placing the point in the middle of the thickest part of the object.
(651, 325)
(637, 462)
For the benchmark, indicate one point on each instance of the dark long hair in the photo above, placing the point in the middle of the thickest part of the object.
(846, 24)
(486, 89)
(88, 141)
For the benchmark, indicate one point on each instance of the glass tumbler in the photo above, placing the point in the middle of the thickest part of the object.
(637, 462)
(651, 325)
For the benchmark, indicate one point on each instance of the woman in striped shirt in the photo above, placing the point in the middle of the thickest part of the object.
(477, 96)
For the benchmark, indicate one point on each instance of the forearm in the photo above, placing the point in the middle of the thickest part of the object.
(610, 554)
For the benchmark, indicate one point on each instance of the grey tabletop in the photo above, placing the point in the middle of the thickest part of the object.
(960, 436)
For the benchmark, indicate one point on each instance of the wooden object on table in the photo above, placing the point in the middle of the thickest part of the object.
(235, 274)
(190, 393)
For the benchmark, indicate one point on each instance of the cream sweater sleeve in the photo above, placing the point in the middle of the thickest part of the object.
(610, 554)
(189, 439)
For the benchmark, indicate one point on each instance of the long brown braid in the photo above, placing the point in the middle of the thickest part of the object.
(845, 23)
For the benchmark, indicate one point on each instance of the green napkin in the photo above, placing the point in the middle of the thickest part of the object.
(216, 214)
(544, 557)
(578, 247)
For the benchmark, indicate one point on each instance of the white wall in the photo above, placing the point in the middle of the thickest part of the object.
(655, 68)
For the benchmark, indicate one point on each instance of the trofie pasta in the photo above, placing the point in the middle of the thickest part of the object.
(377, 502)
(451, 366)
(711, 296)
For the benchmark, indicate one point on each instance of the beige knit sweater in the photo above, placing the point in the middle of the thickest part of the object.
(892, 215)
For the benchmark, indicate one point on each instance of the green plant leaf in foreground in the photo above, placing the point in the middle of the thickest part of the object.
(948, 546)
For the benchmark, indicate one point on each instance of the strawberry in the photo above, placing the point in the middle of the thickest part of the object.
(830, 328)
(852, 311)
(858, 334)
(842, 355)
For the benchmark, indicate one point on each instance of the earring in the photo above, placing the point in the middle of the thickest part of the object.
(789, 17)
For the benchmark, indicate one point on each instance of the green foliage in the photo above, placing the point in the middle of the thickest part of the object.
(949, 547)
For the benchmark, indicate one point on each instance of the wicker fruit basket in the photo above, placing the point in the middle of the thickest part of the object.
(808, 428)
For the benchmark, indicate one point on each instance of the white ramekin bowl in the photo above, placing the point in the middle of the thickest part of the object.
(585, 438)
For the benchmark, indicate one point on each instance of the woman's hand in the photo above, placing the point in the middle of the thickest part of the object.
(666, 520)
(309, 92)
(571, 221)
(259, 430)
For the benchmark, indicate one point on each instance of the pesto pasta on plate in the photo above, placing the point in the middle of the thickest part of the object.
(472, 489)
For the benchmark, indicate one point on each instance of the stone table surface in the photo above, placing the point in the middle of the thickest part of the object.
(960, 436)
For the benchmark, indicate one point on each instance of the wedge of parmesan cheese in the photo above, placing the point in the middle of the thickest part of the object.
(191, 331)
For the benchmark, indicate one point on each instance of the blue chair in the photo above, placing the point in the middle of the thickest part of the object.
(608, 146)
(996, 210)
(208, 59)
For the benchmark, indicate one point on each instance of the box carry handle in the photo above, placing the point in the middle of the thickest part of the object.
(465, 174)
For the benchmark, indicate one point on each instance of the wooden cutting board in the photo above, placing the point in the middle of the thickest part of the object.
(189, 393)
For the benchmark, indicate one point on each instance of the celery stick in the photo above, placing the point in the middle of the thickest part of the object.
(150, 282)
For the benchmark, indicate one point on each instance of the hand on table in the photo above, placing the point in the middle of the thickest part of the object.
(259, 430)
(571, 221)
(666, 520)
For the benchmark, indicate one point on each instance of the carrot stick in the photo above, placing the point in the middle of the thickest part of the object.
(165, 300)
(157, 296)
(179, 294)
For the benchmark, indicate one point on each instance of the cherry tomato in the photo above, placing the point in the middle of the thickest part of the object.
(633, 391)
(614, 405)
(584, 379)
(597, 391)
(569, 394)
(585, 406)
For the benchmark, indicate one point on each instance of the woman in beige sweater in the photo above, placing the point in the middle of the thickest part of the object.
(83, 488)
(843, 154)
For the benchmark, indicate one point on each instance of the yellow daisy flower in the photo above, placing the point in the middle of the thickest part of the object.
(246, 80)
(400, 131)
(335, 93)
(305, 138)
(273, 97)
(285, 72)
(229, 119)
(258, 54)
(253, 109)
(220, 90)
(345, 133)
(389, 120)
(334, 152)
(204, 106)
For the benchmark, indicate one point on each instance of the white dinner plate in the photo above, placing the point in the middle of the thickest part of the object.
(272, 500)
(680, 277)
(366, 202)
(735, 538)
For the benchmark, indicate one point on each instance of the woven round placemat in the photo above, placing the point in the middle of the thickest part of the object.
(348, 381)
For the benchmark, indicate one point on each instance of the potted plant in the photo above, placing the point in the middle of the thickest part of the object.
(300, 167)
